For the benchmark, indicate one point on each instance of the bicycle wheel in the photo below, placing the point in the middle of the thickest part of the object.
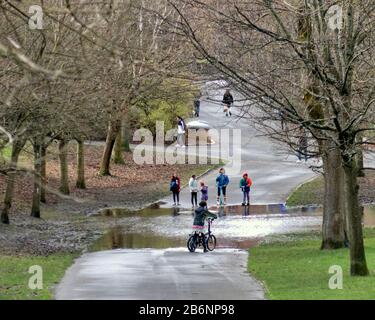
(211, 242)
(191, 245)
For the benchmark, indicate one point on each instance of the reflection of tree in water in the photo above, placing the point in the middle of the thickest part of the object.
(116, 238)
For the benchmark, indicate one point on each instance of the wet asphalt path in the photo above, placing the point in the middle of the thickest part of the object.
(175, 273)
(274, 172)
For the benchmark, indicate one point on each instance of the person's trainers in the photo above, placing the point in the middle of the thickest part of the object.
(243, 204)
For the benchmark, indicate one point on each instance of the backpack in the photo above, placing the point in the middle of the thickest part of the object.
(173, 185)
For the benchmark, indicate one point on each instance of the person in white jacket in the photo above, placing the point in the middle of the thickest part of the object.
(193, 186)
(181, 129)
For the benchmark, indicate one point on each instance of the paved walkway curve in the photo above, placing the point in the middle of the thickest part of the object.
(175, 273)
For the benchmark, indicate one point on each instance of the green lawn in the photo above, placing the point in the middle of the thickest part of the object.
(310, 193)
(14, 276)
(299, 270)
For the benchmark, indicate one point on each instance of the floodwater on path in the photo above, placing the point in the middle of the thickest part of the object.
(237, 227)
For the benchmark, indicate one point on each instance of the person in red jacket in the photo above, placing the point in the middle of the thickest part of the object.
(175, 187)
(245, 185)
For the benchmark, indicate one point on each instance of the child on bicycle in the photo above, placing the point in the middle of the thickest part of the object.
(200, 216)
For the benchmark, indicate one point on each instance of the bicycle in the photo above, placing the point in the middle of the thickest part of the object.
(196, 239)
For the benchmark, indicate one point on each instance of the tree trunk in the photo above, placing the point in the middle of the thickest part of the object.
(11, 181)
(118, 156)
(125, 136)
(35, 209)
(113, 129)
(81, 183)
(43, 174)
(64, 174)
(358, 265)
(333, 232)
(360, 159)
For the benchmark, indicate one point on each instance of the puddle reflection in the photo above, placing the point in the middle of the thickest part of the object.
(237, 226)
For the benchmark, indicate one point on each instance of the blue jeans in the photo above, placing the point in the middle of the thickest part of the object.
(246, 195)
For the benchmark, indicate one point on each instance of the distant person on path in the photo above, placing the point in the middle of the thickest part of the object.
(302, 147)
(204, 191)
(197, 106)
(193, 186)
(181, 129)
(222, 182)
(200, 216)
(245, 185)
(175, 188)
(228, 102)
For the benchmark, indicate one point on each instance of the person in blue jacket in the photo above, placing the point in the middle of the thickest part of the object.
(222, 182)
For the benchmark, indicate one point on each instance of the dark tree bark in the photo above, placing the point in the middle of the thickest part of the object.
(11, 181)
(113, 130)
(64, 174)
(125, 136)
(360, 158)
(333, 232)
(118, 157)
(35, 209)
(43, 198)
(358, 265)
(81, 183)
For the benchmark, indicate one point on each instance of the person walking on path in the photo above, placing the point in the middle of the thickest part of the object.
(204, 191)
(193, 186)
(302, 147)
(222, 182)
(200, 216)
(228, 102)
(175, 187)
(245, 185)
(197, 106)
(181, 129)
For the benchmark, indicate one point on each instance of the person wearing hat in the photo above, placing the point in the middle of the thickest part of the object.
(245, 185)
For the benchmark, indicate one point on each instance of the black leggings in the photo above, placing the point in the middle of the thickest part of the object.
(176, 195)
(194, 198)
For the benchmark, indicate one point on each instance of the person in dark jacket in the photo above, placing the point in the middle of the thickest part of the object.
(228, 102)
(222, 182)
(197, 106)
(175, 187)
(302, 146)
(200, 216)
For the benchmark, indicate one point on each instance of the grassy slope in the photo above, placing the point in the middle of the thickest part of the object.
(309, 193)
(14, 276)
(299, 270)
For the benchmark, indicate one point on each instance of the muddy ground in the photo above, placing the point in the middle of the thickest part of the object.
(66, 224)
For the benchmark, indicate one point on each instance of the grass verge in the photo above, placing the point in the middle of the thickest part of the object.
(310, 193)
(14, 275)
(299, 270)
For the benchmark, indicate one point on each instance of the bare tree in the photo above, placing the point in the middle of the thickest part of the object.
(269, 62)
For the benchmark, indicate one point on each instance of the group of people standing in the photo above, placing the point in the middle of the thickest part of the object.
(222, 182)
